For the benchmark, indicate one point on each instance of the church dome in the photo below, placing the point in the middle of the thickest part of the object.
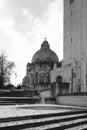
(45, 54)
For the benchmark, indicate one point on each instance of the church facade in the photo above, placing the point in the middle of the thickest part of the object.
(38, 72)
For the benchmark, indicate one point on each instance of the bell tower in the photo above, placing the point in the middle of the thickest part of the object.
(75, 36)
(72, 30)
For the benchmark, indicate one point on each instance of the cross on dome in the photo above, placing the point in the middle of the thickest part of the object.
(45, 38)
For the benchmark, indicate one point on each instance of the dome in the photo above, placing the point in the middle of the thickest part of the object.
(45, 54)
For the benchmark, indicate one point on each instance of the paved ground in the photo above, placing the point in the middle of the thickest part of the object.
(33, 109)
(18, 116)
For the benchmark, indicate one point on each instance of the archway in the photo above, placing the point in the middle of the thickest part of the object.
(59, 83)
(59, 79)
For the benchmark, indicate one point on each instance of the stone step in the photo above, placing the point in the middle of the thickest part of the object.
(17, 100)
(45, 121)
(64, 125)
(39, 120)
(41, 116)
(80, 127)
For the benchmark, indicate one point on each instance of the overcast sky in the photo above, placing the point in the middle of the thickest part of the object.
(23, 26)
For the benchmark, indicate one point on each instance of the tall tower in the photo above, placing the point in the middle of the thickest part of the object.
(72, 30)
(75, 35)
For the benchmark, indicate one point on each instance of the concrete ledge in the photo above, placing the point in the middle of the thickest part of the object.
(45, 94)
(72, 100)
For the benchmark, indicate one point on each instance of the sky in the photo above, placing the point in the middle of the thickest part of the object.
(23, 26)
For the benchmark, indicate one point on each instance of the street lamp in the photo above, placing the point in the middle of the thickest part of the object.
(15, 79)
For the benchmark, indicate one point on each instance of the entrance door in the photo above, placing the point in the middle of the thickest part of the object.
(59, 82)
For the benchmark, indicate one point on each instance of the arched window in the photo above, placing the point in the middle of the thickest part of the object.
(59, 79)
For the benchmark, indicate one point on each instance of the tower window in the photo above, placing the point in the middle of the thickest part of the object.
(71, 13)
(71, 1)
(71, 39)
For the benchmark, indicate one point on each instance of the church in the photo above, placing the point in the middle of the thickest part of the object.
(65, 80)
(43, 73)
(39, 70)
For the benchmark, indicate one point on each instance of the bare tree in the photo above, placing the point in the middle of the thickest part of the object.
(5, 69)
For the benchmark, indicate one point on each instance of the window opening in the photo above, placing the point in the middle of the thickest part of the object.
(71, 1)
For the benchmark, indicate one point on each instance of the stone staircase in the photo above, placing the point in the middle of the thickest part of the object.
(18, 100)
(69, 120)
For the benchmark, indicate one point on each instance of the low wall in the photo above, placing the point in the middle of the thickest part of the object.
(76, 100)
(45, 94)
(29, 100)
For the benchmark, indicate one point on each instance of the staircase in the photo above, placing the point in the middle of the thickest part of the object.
(18, 100)
(69, 120)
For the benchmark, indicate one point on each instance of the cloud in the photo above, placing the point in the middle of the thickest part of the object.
(52, 28)
(25, 11)
(17, 8)
(23, 26)
(1, 4)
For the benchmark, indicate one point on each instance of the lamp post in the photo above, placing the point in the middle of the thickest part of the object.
(72, 80)
(15, 79)
(71, 68)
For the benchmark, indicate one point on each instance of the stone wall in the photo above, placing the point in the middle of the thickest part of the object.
(45, 94)
(78, 100)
